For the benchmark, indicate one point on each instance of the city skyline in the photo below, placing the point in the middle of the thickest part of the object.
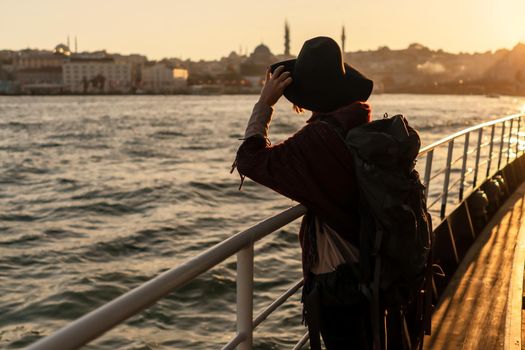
(212, 30)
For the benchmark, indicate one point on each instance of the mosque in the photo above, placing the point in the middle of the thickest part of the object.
(258, 61)
(254, 67)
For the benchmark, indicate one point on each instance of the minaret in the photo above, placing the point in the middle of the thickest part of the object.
(343, 39)
(76, 47)
(286, 39)
(68, 41)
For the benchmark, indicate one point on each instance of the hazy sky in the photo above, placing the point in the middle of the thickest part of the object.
(210, 29)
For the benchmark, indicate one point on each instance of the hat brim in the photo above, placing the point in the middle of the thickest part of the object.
(350, 87)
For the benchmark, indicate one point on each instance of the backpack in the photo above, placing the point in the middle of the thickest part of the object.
(395, 227)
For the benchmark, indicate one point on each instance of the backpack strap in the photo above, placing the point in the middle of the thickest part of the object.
(334, 125)
(407, 343)
(374, 304)
(364, 246)
(372, 294)
(312, 304)
(427, 303)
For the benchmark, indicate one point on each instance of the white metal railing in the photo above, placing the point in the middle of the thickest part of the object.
(499, 139)
(510, 143)
(99, 321)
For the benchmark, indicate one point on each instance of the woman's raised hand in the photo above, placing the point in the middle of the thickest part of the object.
(274, 85)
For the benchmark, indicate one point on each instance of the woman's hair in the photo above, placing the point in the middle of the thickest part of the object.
(297, 109)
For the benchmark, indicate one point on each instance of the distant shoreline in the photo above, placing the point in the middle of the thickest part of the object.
(455, 93)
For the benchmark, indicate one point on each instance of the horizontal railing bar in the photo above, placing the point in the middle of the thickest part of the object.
(482, 145)
(451, 186)
(486, 161)
(485, 144)
(277, 302)
(456, 160)
(457, 181)
(440, 196)
(301, 341)
(463, 132)
(444, 169)
(114, 312)
(436, 200)
(471, 151)
(468, 172)
(437, 173)
(232, 344)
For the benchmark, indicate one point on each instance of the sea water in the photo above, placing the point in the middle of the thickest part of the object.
(98, 194)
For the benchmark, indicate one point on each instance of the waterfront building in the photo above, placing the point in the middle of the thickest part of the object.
(232, 62)
(42, 58)
(8, 55)
(7, 60)
(254, 67)
(6, 84)
(43, 80)
(34, 59)
(104, 75)
(137, 63)
(37, 71)
(94, 55)
(6, 87)
(162, 78)
(205, 73)
(212, 68)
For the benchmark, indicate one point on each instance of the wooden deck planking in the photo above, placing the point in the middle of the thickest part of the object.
(473, 308)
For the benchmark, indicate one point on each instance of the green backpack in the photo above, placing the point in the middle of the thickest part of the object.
(395, 226)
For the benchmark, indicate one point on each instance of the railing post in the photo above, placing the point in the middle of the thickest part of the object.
(478, 154)
(501, 141)
(447, 179)
(428, 170)
(508, 142)
(245, 296)
(518, 137)
(491, 149)
(464, 166)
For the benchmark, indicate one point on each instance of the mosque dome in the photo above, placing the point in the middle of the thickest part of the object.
(62, 49)
(258, 61)
(262, 50)
(233, 55)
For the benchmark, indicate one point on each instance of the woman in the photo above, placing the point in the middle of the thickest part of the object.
(314, 168)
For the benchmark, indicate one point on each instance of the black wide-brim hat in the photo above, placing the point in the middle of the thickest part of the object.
(322, 82)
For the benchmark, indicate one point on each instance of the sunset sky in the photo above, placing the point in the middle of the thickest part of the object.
(209, 29)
